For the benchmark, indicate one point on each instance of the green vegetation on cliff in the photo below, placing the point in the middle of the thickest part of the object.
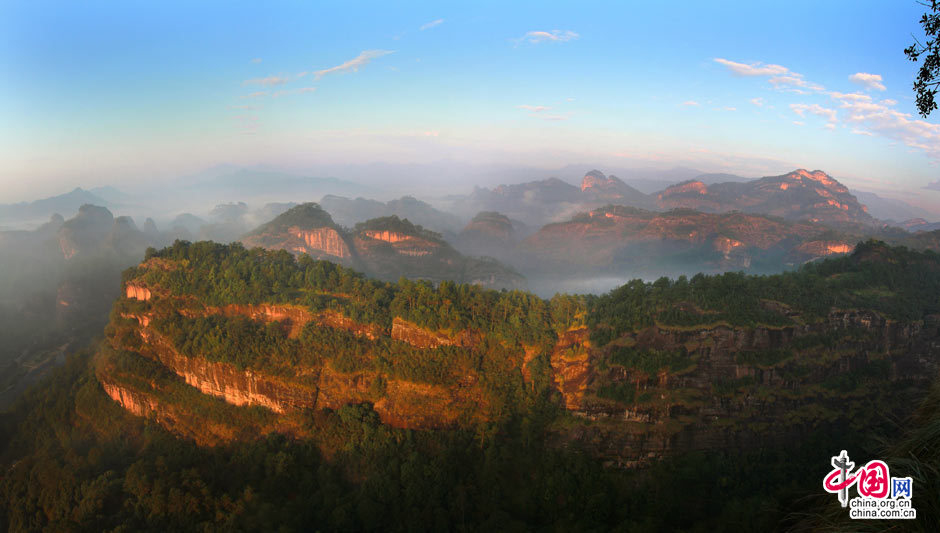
(73, 459)
(217, 274)
(897, 282)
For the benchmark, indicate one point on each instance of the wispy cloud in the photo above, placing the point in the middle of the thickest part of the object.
(850, 97)
(753, 69)
(533, 108)
(779, 76)
(793, 80)
(256, 60)
(242, 107)
(759, 102)
(815, 109)
(257, 94)
(798, 123)
(690, 103)
(431, 24)
(353, 64)
(872, 81)
(557, 36)
(863, 132)
(879, 118)
(270, 81)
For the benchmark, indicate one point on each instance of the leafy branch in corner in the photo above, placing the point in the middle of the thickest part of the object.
(927, 83)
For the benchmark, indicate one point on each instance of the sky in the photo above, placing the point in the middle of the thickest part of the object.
(96, 93)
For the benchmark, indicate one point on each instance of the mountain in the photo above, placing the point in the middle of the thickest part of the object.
(637, 242)
(491, 234)
(890, 209)
(386, 247)
(67, 204)
(328, 329)
(539, 202)
(349, 212)
(304, 229)
(57, 284)
(919, 224)
(799, 195)
(314, 398)
(596, 187)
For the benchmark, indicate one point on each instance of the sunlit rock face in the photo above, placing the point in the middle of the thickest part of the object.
(799, 195)
(325, 240)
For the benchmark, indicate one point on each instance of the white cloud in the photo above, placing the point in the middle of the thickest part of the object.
(779, 76)
(256, 60)
(690, 103)
(729, 108)
(853, 97)
(759, 102)
(863, 132)
(815, 109)
(793, 80)
(889, 102)
(355, 63)
(555, 117)
(798, 123)
(431, 24)
(534, 108)
(872, 81)
(753, 69)
(270, 81)
(553, 36)
(880, 119)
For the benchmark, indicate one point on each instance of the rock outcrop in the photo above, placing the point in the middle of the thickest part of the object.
(320, 240)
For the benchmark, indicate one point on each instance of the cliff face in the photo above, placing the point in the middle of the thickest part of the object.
(325, 240)
(682, 409)
(645, 392)
(387, 248)
(399, 402)
(416, 336)
(137, 292)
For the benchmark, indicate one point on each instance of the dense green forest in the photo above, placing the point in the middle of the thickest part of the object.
(72, 459)
(899, 283)
(219, 274)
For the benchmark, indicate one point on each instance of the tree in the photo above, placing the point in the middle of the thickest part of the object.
(928, 79)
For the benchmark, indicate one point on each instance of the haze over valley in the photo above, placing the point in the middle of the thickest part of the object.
(469, 267)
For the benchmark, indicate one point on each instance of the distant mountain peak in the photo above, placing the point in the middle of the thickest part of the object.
(817, 176)
(597, 180)
(690, 186)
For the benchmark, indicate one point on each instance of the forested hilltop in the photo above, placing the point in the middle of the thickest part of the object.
(248, 389)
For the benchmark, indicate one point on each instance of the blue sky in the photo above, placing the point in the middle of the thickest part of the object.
(105, 92)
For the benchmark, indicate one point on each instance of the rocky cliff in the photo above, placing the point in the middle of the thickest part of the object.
(684, 376)
(387, 248)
